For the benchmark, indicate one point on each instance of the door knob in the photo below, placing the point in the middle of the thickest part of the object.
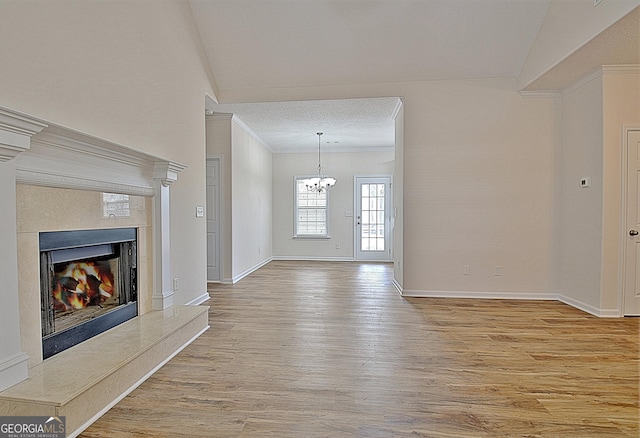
(633, 233)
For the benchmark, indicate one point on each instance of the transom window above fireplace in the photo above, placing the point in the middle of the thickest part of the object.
(115, 205)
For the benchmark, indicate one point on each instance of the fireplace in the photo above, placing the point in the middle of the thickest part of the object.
(88, 284)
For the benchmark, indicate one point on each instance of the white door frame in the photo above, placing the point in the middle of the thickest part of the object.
(624, 227)
(217, 208)
(388, 221)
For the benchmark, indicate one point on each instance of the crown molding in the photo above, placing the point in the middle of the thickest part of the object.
(621, 68)
(221, 116)
(238, 121)
(540, 94)
(600, 71)
(592, 75)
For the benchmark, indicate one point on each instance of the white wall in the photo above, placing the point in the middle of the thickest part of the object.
(398, 200)
(246, 191)
(343, 167)
(478, 178)
(594, 112)
(125, 72)
(580, 214)
(478, 183)
(251, 187)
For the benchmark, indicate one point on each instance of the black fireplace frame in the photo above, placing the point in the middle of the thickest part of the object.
(57, 245)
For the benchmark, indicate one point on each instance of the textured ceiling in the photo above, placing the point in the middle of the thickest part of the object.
(619, 44)
(347, 124)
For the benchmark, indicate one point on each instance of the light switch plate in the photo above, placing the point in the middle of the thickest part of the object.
(199, 211)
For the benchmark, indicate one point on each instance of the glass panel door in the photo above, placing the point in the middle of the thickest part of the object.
(373, 196)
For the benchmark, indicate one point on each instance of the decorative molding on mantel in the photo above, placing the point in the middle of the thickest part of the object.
(49, 179)
(16, 131)
(63, 158)
(167, 171)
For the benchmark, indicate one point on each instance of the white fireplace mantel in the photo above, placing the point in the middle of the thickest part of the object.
(16, 131)
(36, 152)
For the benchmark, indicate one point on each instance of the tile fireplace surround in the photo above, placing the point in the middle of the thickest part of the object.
(48, 174)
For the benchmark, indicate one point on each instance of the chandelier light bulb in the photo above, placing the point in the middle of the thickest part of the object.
(319, 183)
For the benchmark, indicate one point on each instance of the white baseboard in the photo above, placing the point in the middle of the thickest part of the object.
(397, 285)
(237, 278)
(199, 300)
(480, 295)
(13, 370)
(313, 259)
(546, 296)
(601, 313)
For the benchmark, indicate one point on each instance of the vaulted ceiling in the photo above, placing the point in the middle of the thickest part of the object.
(257, 44)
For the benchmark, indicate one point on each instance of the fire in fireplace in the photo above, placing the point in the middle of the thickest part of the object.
(88, 284)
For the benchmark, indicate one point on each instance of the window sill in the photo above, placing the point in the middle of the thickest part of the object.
(310, 236)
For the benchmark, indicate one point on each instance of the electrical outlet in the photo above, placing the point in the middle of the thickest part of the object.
(498, 272)
(466, 270)
(175, 283)
(337, 246)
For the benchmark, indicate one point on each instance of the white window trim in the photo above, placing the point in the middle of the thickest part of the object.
(295, 213)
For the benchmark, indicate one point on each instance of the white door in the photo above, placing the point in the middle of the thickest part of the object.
(631, 304)
(213, 219)
(373, 218)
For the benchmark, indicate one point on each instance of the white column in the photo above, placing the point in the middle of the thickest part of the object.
(164, 174)
(15, 137)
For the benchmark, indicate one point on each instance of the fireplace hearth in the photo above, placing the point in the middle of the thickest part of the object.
(88, 284)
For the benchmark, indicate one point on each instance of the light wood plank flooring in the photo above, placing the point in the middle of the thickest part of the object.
(315, 349)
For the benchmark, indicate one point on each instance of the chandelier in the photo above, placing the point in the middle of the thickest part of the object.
(319, 183)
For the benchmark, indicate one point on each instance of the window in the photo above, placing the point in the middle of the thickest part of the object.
(115, 205)
(311, 211)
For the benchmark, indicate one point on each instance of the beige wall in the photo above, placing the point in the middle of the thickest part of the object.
(343, 167)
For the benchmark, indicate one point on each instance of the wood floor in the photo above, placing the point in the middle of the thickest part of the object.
(315, 349)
